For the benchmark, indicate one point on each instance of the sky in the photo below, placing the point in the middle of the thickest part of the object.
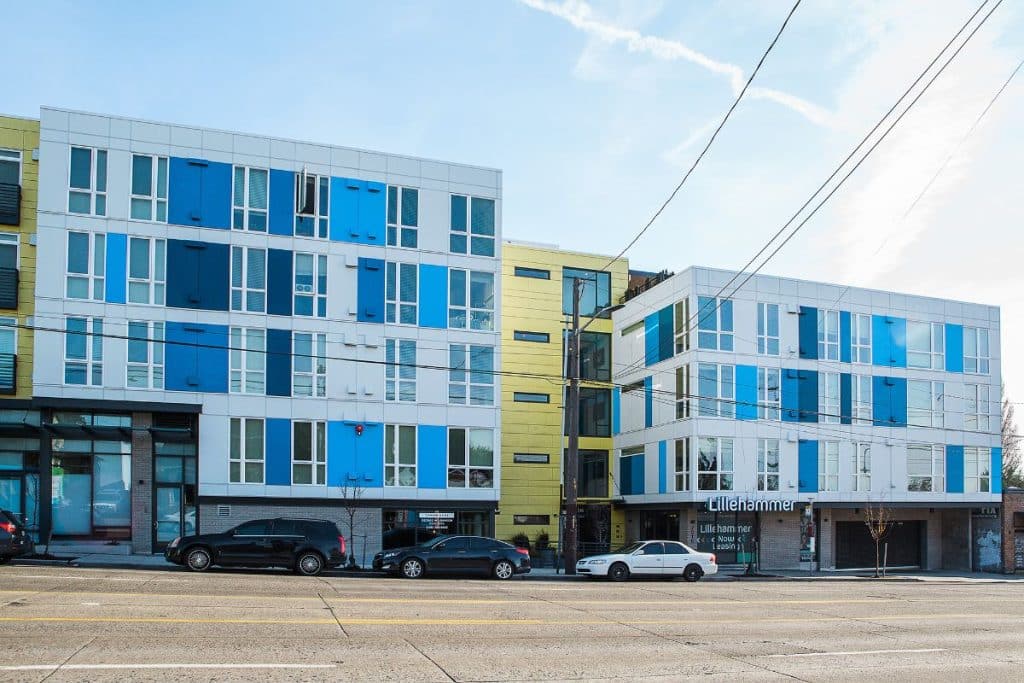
(594, 110)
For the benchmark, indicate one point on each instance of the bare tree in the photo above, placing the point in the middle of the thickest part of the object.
(1013, 447)
(351, 492)
(878, 519)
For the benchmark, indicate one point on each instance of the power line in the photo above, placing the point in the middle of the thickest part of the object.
(711, 141)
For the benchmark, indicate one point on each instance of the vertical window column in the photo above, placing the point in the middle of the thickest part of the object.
(83, 351)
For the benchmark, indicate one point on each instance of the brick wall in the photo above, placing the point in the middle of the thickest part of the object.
(367, 529)
(780, 540)
(1013, 541)
(142, 493)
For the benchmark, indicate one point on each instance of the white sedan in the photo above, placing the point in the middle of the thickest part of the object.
(650, 558)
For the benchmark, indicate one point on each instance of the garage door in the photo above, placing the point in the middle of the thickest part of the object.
(855, 548)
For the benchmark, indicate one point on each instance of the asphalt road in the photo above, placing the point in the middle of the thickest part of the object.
(67, 624)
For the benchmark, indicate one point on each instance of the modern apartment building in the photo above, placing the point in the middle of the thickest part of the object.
(238, 326)
(19, 446)
(537, 290)
(761, 423)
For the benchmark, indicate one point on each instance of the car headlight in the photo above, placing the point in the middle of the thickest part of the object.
(388, 556)
(174, 543)
(598, 561)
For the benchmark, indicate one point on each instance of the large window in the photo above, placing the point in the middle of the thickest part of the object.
(769, 393)
(682, 325)
(977, 470)
(860, 479)
(860, 337)
(145, 355)
(860, 399)
(716, 385)
(926, 345)
(87, 181)
(86, 265)
(249, 199)
(925, 403)
(10, 166)
(311, 284)
(246, 451)
(926, 467)
(309, 364)
(767, 464)
(472, 225)
(399, 455)
(403, 216)
(91, 492)
(472, 304)
(312, 204)
(592, 481)
(83, 351)
(147, 271)
(595, 291)
(470, 458)
(401, 286)
(828, 397)
(828, 465)
(978, 404)
(768, 329)
(714, 324)
(682, 465)
(248, 360)
(309, 452)
(471, 374)
(595, 412)
(400, 371)
(595, 356)
(683, 392)
(976, 351)
(149, 188)
(828, 334)
(248, 279)
(714, 464)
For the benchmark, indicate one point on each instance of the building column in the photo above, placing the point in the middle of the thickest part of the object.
(45, 497)
(142, 483)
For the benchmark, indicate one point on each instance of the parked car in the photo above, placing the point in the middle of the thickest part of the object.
(455, 555)
(406, 537)
(305, 545)
(667, 559)
(14, 538)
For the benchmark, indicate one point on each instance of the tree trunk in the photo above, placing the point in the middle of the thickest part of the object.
(877, 559)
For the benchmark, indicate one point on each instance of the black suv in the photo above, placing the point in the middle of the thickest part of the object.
(305, 545)
(14, 538)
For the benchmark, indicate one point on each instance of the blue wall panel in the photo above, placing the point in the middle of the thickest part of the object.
(790, 395)
(808, 396)
(370, 294)
(746, 392)
(279, 451)
(651, 339)
(898, 341)
(626, 475)
(616, 408)
(198, 275)
(666, 332)
(282, 202)
(279, 362)
(845, 398)
(648, 401)
(196, 357)
(356, 460)
(889, 401)
(954, 348)
(280, 285)
(434, 296)
(117, 267)
(662, 467)
(373, 212)
(432, 455)
(807, 467)
(845, 337)
(880, 353)
(638, 473)
(199, 193)
(997, 470)
(345, 210)
(954, 469)
(808, 332)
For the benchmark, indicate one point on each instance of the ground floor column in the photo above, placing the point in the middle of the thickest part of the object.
(142, 483)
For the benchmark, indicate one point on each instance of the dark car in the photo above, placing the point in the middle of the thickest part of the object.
(406, 537)
(455, 555)
(14, 538)
(305, 545)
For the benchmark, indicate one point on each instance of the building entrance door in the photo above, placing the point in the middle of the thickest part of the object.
(174, 492)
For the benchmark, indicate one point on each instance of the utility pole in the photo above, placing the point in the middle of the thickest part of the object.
(572, 406)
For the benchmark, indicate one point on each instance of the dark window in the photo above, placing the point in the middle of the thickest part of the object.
(593, 474)
(595, 356)
(535, 273)
(454, 544)
(595, 291)
(289, 527)
(595, 412)
(675, 549)
(523, 335)
(308, 206)
(258, 527)
(653, 549)
(531, 519)
(484, 544)
(635, 386)
(533, 458)
(527, 397)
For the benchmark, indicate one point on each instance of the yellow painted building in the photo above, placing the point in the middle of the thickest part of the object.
(535, 299)
(19, 176)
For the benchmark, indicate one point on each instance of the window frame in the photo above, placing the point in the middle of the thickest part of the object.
(244, 290)
(860, 330)
(860, 475)
(240, 457)
(154, 200)
(681, 451)
(317, 358)
(828, 466)
(395, 305)
(242, 210)
(937, 474)
(317, 461)
(722, 477)
(767, 474)
(935, 415)
(533, 273)
(97, 196)
(465, 315)
(398, 230)
(769, 399)
(155, 364)
(16, 156)
(395, 384)
(978, 363)
(392, 461)
(936, 351)
(316, 295)
(466, 469)
(681, 325)
(828, 400)
(471, 379)
(471, 236)
(250, 380)
(719, 333)
(861, 407)
(588, 278)
(683, 395)
(156, 282)
(724, 398)
(977, 469)
(321, 214)
(92, 360)
(765, 339)
(828, 334)
(976, 419)
(95, 275)
(531, 337)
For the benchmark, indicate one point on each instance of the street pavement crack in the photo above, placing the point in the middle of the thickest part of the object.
(331, 610)
(430, 659)
(69, 658)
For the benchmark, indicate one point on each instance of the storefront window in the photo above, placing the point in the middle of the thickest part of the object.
(730, 535)
(91, 494)
(19, 479)
(404, 528)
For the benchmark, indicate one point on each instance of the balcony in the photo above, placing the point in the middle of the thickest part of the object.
(10, 204)
(8, 288)
(8, 373)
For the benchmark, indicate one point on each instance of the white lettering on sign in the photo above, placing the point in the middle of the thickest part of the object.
(724, 504)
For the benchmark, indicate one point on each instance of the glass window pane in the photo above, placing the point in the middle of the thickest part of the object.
(482, 216)
(458, 219)
(138, 258)
(457, 287)
(410, 207)
(101, 176)
(481, 290)
(456, 446)
(81, 168)
(78, 252)
(257, 189)
(142, 175)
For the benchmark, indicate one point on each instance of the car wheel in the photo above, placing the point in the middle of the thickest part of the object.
(412, 568)
(309, 564)
(198, 559)
(618, 572)
(503, 570)
(693, 573)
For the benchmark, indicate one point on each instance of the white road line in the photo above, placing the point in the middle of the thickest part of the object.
(182, 665)
(861, 652)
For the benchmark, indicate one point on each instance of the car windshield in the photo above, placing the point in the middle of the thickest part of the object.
(627, 549)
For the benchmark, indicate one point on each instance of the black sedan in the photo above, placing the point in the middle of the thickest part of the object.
(447, 555)
(14, 538)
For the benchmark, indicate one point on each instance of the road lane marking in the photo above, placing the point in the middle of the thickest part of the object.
(183, 665)
(862, 652)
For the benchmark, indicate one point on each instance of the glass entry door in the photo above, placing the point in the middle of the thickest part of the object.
(174, 492)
